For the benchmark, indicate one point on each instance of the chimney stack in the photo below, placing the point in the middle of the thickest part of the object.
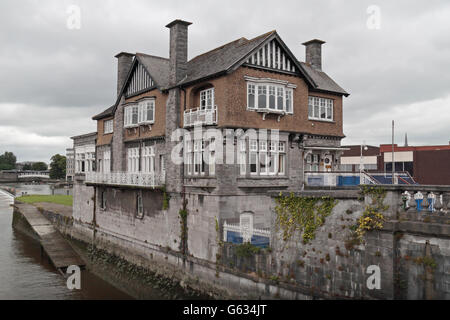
(313, 54)
(124, 62)
(178, 49)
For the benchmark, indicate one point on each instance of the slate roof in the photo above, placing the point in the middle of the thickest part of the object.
(221, 60)
(322, 80)
(157, 67)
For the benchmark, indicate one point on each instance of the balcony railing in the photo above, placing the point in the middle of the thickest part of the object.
(340, 178)
(148, 180)
(199, 116)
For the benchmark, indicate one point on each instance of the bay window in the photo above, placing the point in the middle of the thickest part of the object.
(146, 112)
(266, 95)
(320, 108)
(142, 113)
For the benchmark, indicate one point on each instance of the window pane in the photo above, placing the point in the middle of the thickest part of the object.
(322, 109)
(150, 108)
(251, 96)
(272, 97)
(262, 97)
(281, 164)
(253, 162)
(288, 100)
(329, 109)
(316, 107)
(280, 102)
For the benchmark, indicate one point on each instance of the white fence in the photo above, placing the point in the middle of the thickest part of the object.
(34, 174)
(139, 179)
(246, 232)
(199, 116)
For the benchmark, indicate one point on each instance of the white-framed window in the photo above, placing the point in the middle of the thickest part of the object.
(207, 99)
(268, 96)
(264, 157)
(106, 161)
(141, 113)
(108, 126)
(133, 159)
(251, 96)
(148, 159)
(320, 108)
(146, 112)
(312, 162)
(242, 157)
(131, 116)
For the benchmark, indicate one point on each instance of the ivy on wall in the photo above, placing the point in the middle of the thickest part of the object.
(302, 214)
(372, 217)
(183, 230)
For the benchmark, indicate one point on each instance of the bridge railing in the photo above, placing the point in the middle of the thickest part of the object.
(151, 180)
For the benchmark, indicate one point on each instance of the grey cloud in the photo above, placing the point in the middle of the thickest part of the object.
(62, 77)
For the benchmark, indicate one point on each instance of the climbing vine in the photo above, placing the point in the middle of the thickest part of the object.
(303, 214)
(372, 217)
(183, 230)
(219, 246)
(166, 198)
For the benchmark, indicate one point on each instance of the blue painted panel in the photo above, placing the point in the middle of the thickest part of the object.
(315, 181)
(348, 181)
(260, 241)
(234, 237)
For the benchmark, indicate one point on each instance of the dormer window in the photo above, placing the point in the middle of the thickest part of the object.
(269, 95)
(207, 99)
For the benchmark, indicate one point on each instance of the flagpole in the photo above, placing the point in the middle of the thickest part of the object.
(393, 161)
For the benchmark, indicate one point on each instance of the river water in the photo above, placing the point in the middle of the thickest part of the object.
(24, 274)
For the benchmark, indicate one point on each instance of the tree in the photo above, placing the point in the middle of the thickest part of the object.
(27, 166)
(58, 167)
(7, 161)
(39, 166)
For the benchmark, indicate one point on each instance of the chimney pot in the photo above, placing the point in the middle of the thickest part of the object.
(313, 55)
(124, 62)
(178, 49)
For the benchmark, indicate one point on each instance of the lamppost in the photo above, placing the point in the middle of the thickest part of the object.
(361, 161)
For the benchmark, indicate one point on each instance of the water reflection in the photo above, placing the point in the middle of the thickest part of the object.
(24, 274)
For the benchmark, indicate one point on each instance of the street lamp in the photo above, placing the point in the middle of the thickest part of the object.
(361, 161)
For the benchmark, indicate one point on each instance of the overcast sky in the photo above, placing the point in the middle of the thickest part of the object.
(53, 79)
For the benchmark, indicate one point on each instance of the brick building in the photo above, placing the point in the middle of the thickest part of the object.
(427, 165)
(277, 119)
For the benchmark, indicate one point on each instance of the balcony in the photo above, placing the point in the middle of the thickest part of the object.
(197, 116)
(144, 180)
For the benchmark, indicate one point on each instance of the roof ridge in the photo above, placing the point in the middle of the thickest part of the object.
(220, 47)
(150, 55)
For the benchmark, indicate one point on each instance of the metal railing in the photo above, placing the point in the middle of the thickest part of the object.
(199, 116)
(151, 180)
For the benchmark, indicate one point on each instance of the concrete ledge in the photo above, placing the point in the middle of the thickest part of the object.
(337, 194)
(419, 228)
